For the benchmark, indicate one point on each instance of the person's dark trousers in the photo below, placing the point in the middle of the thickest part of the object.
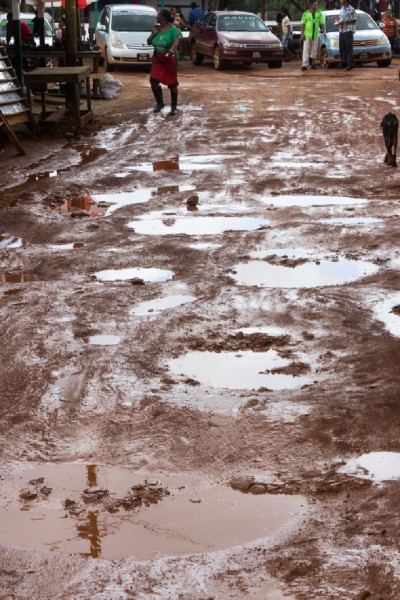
(346, 48)
(392, 41)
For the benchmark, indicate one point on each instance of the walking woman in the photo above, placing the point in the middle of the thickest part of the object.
(165, 39)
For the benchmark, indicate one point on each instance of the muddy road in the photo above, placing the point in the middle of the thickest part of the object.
(200, 345)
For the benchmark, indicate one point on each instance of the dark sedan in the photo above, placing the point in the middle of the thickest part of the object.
(234, 37)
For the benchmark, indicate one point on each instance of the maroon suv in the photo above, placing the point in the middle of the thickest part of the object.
(234, 37)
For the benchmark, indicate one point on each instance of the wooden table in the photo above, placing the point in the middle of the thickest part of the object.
(69, 75)
(51, 53)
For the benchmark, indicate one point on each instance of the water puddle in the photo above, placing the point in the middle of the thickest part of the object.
(14, 277)
(115, 513)
(8, 242)
(156, 224)
(43, 175)
(307, 201)
(150, 275)
(245, 370)
(82, 205)
(305, 275)
(68, 246)
(378, 466)
(205, 246)
(155, 307)
(184, 163)
(388, 312)
(351, 221)
(267, 330)
(102, 340)
(12, 292)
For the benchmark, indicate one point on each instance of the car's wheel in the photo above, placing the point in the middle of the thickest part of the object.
(197, 59)
(219, 64)
(384, 63)
(109, 67)
(277, 64)
(323, 59)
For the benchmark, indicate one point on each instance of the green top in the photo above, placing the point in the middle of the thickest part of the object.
(312, 22)
(162, 42)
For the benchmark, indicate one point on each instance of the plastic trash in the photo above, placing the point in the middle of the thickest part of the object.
(110, 88)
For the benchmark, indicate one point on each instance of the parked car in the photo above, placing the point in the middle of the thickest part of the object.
(235, 36)
(370, 43)
(122, 33)
(28, 18)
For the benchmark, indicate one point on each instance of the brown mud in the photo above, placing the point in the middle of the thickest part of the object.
(64, 401)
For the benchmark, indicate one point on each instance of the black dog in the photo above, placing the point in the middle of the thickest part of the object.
(390, 127)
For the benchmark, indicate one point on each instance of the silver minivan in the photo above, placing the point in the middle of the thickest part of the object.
(122, 33)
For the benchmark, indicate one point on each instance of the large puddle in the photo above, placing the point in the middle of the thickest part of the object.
(150, 275)
(378, 466)
(153, 308)
(158, 224)
(123, 199)
(351, 221)
(115, 513)
(184, 163)
(245, 370)
(304, 275)
(307, 201)
(102, 340)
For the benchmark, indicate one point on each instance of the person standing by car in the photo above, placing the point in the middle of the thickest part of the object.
(165, 39)
(196, 14)
(347, 27)
(311, 22)
(287, 33)
(390, 27)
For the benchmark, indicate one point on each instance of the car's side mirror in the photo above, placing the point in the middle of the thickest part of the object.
(381, 26)
(101, 27)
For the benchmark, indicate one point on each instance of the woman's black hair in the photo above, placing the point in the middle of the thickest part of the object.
(286, 12)
(164, 12)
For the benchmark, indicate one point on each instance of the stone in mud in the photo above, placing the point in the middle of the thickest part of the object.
(79, 214)
(396, 310)
(242, 483)
(192, 200)
(37, 481)
(137, 281)
(94, 494)
(26, 494)
(68, 503)
(46, 491)
(257, 488)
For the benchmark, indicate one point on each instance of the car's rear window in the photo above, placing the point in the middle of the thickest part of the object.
(240, 23)
(364, 23)
(129, 21)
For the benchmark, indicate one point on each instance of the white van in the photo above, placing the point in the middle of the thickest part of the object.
(122, 33)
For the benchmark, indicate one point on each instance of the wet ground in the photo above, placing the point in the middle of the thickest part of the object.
(200, 345)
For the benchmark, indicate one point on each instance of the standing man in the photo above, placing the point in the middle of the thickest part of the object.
(347, 27)
(311, 22)
(196, 14)
(390, 28)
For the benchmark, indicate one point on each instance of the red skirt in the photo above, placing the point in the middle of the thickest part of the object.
(164, 68)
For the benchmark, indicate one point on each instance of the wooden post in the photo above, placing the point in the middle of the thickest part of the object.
(71, 42)
(263, 3)
(17, 41)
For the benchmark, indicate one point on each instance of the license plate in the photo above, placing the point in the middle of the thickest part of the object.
(363, 55)
(256, 54)
(143, 57)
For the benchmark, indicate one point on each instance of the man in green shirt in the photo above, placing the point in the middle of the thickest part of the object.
(312, 21)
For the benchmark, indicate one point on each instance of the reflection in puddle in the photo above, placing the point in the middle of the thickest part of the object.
(12, 292)
(306, 275)
(102, 340)
(148, 275)
(84, 203)
(306, 201)
(155, 307)
(184, 163)
(155, 224)
(120, 200)
(378, 466)
(291, 253)
(39, 176)
(195, 517)
(17, 277)
(237, 370)
(9, 242)
(388, 311)
(351, 221)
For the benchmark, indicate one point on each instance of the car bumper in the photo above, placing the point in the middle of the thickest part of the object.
(251, 55)
(362, 55)
(119, 56)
